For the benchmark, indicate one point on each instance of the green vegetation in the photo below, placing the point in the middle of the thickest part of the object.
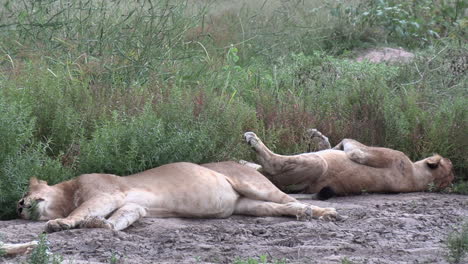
(461, 188)
(346, 260)
(41, 254)
(116, 258)
(108, 86)
(457, 244)
(263, 259)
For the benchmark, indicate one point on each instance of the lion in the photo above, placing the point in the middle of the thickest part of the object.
(350, 168)
(214, 190)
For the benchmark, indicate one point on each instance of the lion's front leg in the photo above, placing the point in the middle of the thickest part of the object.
(119, 220)
(98, 206)
(299, 210)
(16, 249)
(264, 155)
(127, 215)
(271, 163)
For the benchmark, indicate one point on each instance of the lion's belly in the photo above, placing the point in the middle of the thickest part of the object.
(347, 177)
(190, 191)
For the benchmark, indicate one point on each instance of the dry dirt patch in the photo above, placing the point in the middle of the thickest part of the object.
(391, 55)
(403, 228)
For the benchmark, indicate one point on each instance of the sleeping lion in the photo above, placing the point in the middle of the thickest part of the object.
(350, 168)
(215, 190)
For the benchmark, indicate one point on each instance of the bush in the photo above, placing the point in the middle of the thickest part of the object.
(42, 255)
(19, 167)
(126, 145)
(15, 133)
(412, 23)
(16, 128)
(21, 157)
(54, 102)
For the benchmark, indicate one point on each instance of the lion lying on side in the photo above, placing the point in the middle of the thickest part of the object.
(215, 190)
(350, 168)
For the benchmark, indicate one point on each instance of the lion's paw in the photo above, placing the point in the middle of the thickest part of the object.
(252, 165)
(357, 155)
(328, 214)
(319, 139)
(314, 133)
(58, 225)
(251, 138)
(96, 222)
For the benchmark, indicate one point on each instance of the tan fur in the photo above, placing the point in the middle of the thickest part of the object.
(17, 249)
(351, 168)
(214, 190)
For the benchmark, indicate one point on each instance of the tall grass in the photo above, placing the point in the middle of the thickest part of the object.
(119, 87)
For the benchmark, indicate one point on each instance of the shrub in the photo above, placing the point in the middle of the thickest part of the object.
(126, 145)
(413, 23)
(54, 102)
(16, 128)
(19, 167)
(42, 255)
(21, 157)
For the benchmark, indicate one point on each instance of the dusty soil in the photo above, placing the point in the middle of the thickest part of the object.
(402, 228)
(390, 55)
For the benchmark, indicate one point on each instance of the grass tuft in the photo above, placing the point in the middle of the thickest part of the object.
(42, 255)
(457, 244)
(263, 259)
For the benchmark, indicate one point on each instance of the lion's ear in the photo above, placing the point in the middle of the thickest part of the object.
(434, 161)
(34, 181)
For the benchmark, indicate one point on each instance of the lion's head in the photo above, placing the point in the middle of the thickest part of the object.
(40, 202)
(441, 170)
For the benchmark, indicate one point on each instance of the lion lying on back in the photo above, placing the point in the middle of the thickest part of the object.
(350, 168)
(215, 190)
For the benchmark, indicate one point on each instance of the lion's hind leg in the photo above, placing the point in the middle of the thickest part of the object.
(127, 215)
(249, 182)
(246, 206)
(316, 140)
(370, 156)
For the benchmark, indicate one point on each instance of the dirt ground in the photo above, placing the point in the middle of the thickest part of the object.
(384, 54)
(399, 228)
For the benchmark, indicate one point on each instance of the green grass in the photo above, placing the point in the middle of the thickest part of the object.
(116, 258)
(346, 260)
(263, 259)
(457, 244)
(461, 187)
(107, 86)
(41, 254)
